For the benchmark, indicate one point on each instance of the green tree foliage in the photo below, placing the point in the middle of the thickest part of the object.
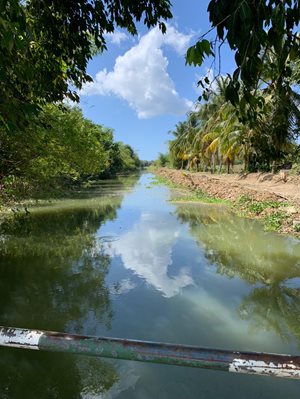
(59, 146)
(162, 160)
(122, 159)
(129, 159)
(45, 47)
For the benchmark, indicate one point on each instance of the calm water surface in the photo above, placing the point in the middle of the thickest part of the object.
(120, 260)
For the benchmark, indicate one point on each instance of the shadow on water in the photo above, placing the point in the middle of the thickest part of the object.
(53, 269)
(239, 248)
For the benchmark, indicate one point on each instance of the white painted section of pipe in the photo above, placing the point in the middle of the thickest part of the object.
(20, 338)
(264, 368)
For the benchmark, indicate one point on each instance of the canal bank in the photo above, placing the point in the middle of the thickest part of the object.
(278, 210)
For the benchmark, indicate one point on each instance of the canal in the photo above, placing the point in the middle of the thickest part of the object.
(121, 260)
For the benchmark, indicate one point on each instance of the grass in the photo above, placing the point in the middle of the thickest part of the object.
(200, 196)
(268, 211)
(161, 181)
(257, 207)
(297, 228)
(273, 221)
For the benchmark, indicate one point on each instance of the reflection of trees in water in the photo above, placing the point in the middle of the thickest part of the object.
(42, 375)
(274, 308)
(240, 248)
(53, 272)
(115, 186)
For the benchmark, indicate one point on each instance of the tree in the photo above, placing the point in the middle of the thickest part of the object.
(162, 160)
(60, 143)
(129, 159)
(45, 47)
(211, 134)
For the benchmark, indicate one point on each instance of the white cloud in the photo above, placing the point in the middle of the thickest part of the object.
(151, 259)
(123, 287)
(173, 38)
(117, 37)
(140, 76)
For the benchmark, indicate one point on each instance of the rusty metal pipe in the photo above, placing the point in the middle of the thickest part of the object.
(155, 352)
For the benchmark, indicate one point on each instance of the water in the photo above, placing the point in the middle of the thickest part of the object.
(121, 260)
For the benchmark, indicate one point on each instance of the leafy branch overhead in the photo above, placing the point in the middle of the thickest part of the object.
(197, 53)
(45, 47)
(252, 29)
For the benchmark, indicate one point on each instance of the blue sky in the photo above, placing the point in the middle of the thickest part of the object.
(142, 87)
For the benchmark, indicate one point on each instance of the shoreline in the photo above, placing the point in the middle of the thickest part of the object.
(276, 212)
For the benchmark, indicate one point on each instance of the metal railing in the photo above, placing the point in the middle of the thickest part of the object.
(275, 365)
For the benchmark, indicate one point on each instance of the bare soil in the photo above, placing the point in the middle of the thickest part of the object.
(257, 186)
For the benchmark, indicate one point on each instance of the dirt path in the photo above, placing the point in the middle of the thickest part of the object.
(256, 185)
(267, 183)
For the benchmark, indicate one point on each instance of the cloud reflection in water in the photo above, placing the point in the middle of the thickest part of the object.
(147, 250)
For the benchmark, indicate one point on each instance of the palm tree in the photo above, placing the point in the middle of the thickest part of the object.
(279, 124)
(212, 134)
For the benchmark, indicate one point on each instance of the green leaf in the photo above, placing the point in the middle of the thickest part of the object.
(236, 74)
(206, 47)
(196, 54)
(231, 94)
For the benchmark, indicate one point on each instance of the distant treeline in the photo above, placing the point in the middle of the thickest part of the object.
(57, 149)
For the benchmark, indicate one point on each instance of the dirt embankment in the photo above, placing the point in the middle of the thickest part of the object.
(256, 188)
